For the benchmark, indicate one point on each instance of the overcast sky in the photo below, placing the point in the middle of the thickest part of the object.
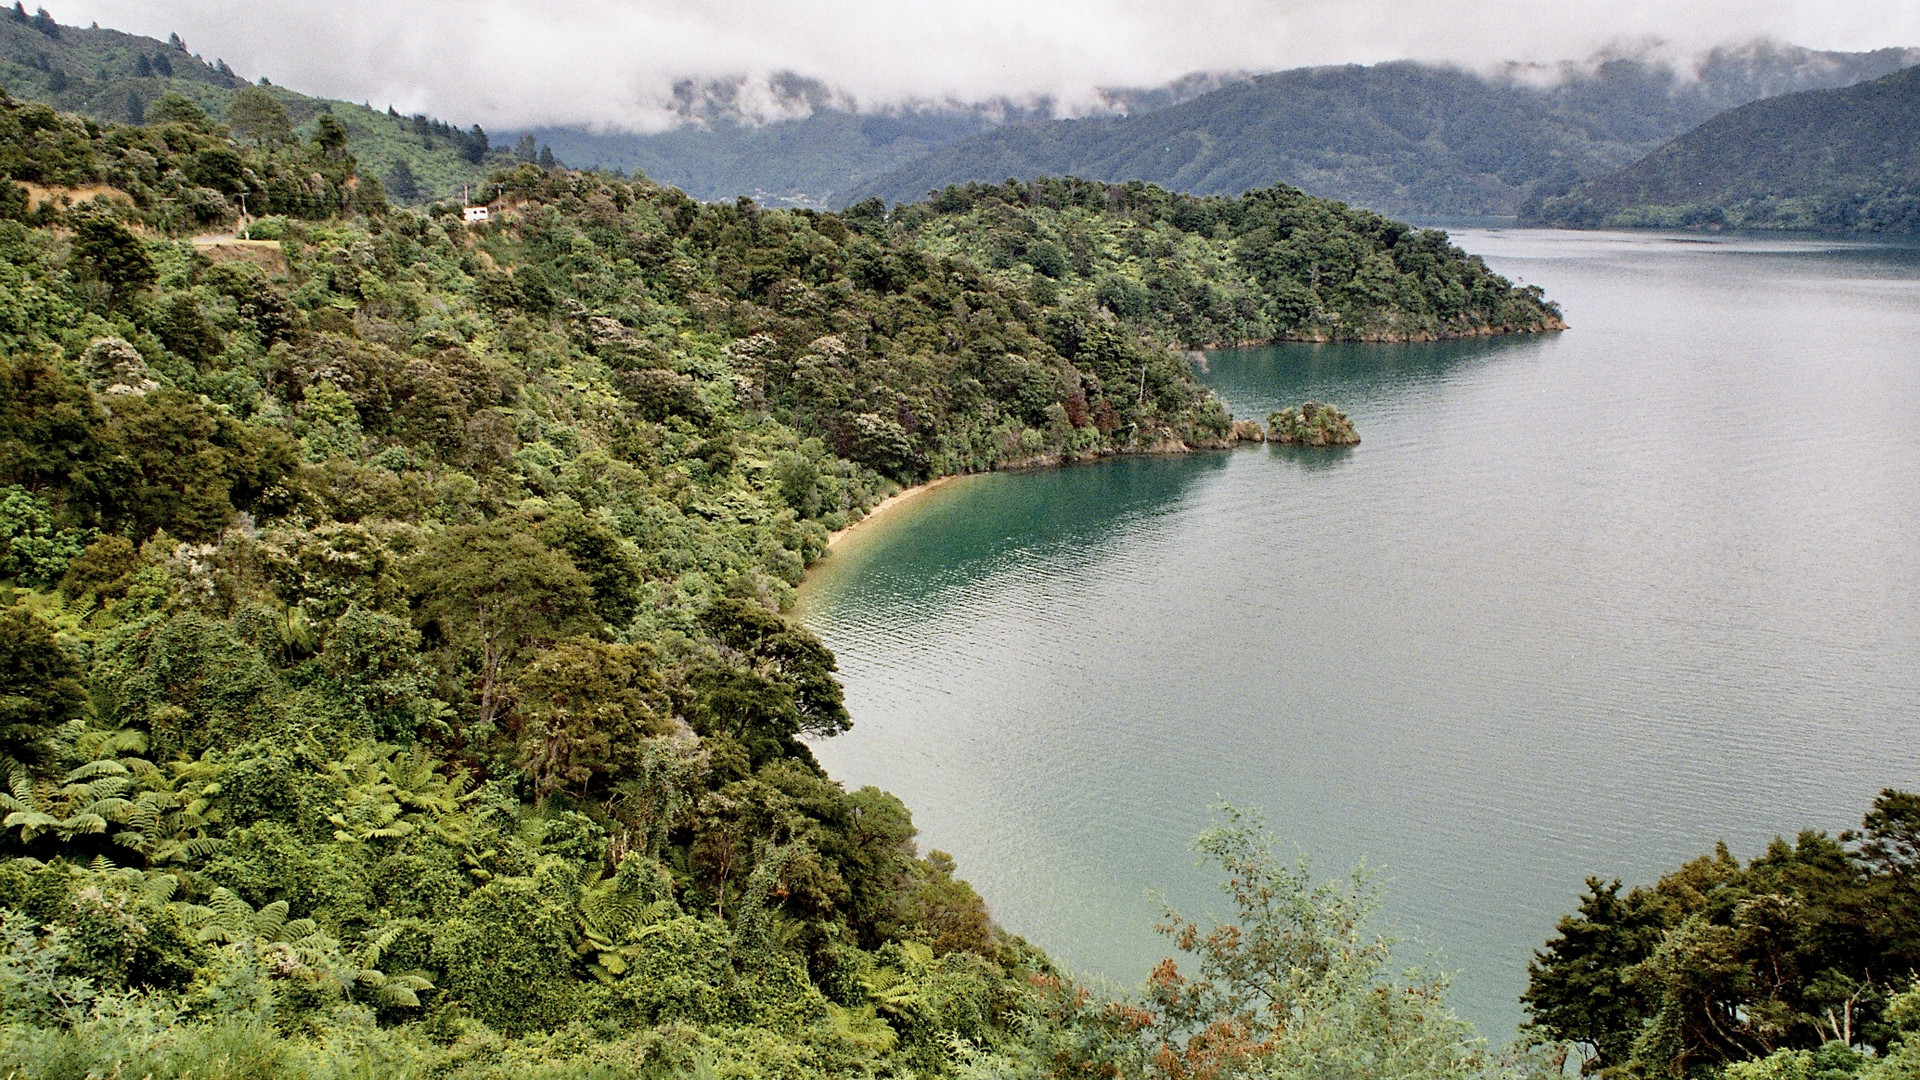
(613, 63)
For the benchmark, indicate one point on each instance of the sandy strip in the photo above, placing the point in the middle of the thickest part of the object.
(891, 502)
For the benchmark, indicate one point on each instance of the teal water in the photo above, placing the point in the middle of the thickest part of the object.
(1579, 604)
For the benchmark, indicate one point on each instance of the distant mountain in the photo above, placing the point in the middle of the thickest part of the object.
(810, 161)
(1837, 160)
(111, 76)
(807, 147)
(1401, 138)
(816, 147)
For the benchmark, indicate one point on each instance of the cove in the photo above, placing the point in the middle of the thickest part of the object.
(1581, 603)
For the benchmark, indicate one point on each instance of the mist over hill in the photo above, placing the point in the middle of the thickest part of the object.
(819, 146)
(1402, 138)
(1833, 160)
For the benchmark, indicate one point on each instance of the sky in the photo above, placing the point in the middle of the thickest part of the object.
(614, 64)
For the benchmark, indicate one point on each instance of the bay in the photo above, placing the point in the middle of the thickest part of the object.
(1581, 603)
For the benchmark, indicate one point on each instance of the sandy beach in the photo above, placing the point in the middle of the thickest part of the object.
(890, 503)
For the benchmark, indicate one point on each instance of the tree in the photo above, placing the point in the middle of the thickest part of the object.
(473, 145)
(1295, 985)
(496, 589)
(173, 108)
(40, 687)
(547, 160)
(256, 114)
(401, 183)
(110, 254)
(1580, 987)
(170, 462)
(330, 135)
(774, 646)
(591, 708)
(609, 560)
(868, 216)
(527, 149)
(33, 549)
(101, 569)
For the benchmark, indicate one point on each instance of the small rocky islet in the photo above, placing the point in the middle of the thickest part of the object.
(1314, 423)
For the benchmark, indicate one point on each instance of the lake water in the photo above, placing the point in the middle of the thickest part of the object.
(1579, 604)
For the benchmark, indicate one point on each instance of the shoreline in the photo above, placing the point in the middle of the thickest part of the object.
(892, 502)
(1244, 432)
(1422, 337)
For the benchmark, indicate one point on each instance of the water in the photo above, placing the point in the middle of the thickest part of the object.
(1579, 604)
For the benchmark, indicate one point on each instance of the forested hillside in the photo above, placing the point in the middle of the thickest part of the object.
(1835, 160)
(1398, 138)
(392, 674)
(114, 77)
(1273, 264)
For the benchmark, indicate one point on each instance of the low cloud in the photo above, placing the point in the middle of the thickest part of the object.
(632, 64)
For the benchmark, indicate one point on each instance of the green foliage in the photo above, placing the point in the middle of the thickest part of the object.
(508, 953)
(420, 697)
(1832, 160)
(1271, 264)
(1312, 424)
(1720, 963)
(116, 258)
(34, 550)
(590, 708)
(40, 685)
(33, 986)
(496, 589)
(256, 114)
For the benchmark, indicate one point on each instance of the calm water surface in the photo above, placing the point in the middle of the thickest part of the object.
(1579, 604)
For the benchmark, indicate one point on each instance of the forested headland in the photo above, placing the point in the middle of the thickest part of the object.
(392, 674)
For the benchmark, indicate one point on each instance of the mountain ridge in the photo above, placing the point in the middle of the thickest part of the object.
(1401, 138)
(1832, 160)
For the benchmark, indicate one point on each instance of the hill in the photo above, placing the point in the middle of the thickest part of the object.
(1398, 138)
(393, 680)
(1273, 264)
(815, 149)
(811, 161)
(1843, 160)
(810, 158)
(113, 77)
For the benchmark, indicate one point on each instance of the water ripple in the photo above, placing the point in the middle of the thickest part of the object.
(1579, 604)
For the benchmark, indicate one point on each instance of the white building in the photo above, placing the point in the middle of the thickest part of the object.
(476, 215)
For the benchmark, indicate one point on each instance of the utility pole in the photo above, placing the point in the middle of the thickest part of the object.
(245, 225)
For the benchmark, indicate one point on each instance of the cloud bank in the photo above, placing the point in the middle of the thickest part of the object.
(619, 63)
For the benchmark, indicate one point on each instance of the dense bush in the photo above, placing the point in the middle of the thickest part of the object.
(392, 662)
(1799, 963)
(1270, 264)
